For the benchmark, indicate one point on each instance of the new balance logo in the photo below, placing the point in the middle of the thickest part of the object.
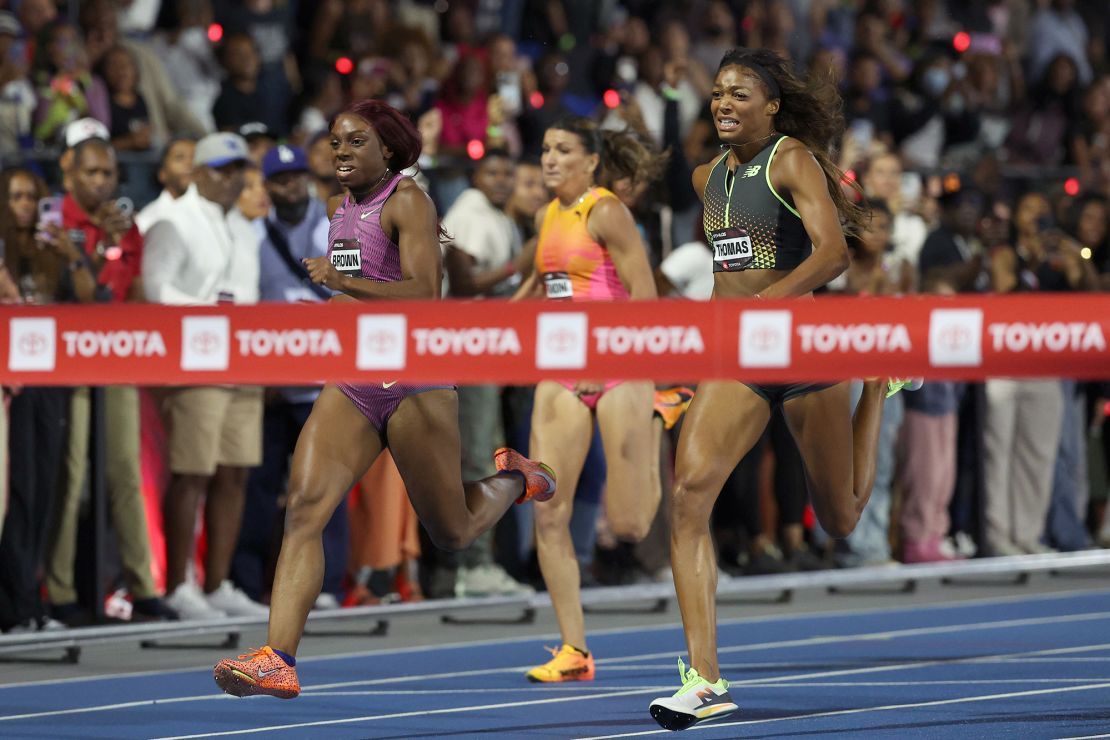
(752, 171)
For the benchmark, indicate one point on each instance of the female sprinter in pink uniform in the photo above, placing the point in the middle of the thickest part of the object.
(589, 250)
(774, 215)
(384, 245)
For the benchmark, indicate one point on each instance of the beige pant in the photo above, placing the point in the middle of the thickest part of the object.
(125, 497)
(1021, 434)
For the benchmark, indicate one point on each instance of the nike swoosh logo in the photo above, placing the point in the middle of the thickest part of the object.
(263, 674)
(389, 385)
(364, 214)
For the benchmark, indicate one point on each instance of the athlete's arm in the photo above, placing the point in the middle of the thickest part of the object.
(410, 214)
(333, 204)
(611, 223)
(701, 177)
(466, 283)
(795, 170)
(531, 286)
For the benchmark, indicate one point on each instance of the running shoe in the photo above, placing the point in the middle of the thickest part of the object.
(893, 385)
(539, 479)
(697, 701)
(260, 671)
(567, 664)
(671, 404)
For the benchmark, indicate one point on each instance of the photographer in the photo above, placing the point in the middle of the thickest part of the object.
(111, 247)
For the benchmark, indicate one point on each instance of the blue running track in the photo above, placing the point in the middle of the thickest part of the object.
(1011, 668)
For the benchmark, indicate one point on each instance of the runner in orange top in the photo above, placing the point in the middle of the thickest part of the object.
(589, 249)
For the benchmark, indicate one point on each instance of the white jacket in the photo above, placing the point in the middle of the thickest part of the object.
(196, 252)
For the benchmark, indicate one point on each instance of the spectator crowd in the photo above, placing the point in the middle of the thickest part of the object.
(178, 152)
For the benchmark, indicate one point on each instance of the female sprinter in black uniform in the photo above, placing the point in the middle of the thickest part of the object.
(773, 216)
(385, 230)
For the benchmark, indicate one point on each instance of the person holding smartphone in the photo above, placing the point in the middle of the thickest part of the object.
(110, 245)
(38, 415)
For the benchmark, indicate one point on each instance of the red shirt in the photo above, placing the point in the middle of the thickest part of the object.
(117, 274)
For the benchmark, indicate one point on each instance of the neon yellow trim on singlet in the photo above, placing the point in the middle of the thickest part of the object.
(728, 193)
(774, 192)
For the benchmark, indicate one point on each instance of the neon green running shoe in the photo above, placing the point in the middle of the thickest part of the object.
(894, 385)
(697, 701)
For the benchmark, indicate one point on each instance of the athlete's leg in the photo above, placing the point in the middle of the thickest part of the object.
(336, 446)
(838, 450)
(725, 420)
(562, 428)
(632, 488)
(423, 437)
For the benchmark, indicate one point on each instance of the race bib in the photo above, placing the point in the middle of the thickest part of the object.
(346, 257)
(732, 249)
(558, 285)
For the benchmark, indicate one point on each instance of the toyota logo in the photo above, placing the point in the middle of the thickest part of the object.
(205, 343)
(32, 344)
(765, 338)
(381, 341)
(954, 338)
(562, 340)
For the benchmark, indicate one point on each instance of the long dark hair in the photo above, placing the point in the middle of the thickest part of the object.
(811, 112)
(623, 154)
(21, 253)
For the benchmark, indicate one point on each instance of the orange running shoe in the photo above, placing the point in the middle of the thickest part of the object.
(539, 478)
(671, 404)
(260, 671)
(567, 664)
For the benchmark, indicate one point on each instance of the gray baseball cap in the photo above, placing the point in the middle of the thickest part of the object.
(216, 150)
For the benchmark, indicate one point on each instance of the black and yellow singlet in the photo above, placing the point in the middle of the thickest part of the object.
(748, 224)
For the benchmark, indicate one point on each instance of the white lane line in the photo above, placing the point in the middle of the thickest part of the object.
(398, 715)
(521, 669)
(865, 710)
(1014, 598)
(1084, 737)
(878, 636)
(532, 689)
(763, 682)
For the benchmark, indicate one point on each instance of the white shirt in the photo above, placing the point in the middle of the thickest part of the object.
(197, 252)
(690, 270)
(154, 211)
(481, 230)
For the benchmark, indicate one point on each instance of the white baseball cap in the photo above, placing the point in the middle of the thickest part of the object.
(86, 128)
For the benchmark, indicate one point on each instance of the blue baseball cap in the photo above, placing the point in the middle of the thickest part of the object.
(284, 158)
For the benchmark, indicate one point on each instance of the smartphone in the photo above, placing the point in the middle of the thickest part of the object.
(508, 89)
(862, 132)
(910, 188)
(50, 213)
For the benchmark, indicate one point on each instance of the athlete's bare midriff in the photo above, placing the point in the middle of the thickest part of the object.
(744, 283)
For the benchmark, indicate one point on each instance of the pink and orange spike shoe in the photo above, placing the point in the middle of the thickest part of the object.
(260, 671)
(539, 478)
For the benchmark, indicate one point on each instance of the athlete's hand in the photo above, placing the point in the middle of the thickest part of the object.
(322, 272)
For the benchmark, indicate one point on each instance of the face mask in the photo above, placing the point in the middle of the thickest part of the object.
(935, 81)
